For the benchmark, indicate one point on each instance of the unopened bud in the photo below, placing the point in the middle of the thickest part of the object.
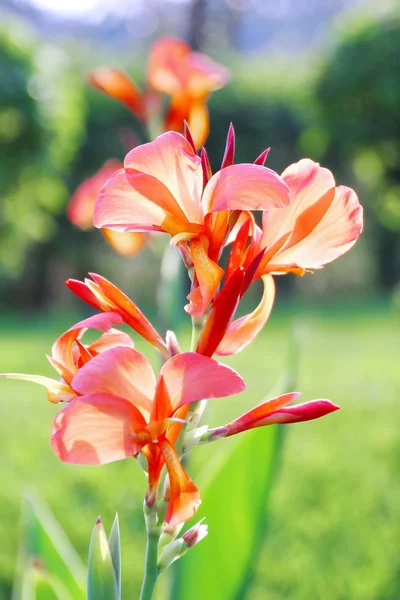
(176, 549)
(195, 534)
(194, 437)
(172, 343)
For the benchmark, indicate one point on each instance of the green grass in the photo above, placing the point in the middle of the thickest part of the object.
(334, 520)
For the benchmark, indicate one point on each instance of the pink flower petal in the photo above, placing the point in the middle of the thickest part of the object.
(334, 234)
(245, 187)
(110, 339)
(243, 331)
(62, 347)
(119, 371)
(95, 430)
(307, 182)
(189, 377)
(170, 159)
(122, 207)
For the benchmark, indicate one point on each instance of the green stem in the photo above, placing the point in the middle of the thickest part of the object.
(197, 326)
(151, 567)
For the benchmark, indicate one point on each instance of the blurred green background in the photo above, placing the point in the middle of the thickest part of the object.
(308, 79)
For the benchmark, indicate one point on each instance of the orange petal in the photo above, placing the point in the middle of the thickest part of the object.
(184, 497)
(209, 276)
(62, 347)
(243, 331)
(96, 429)
(130, 313)
(116, 83)
(127, 244)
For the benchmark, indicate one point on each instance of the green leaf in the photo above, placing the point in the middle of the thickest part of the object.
(234, 503)
(44, 542)
(40, 585)
(102, 582)
(235, 487)
(115, 549)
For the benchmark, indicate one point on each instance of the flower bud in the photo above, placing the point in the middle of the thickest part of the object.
(176, 549)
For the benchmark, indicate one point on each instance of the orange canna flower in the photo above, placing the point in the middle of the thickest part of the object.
(174, 69)
(122, 410)
(320, 223)
(81, 207)
(69, 354)
(165, 186)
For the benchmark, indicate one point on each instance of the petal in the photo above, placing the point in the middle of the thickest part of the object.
(117, 84)
(275, 411)
(127, 244)
(221, 314)
(129, 312)
(81, 206)
(170, 159)
(333, 235)
(62, 347)
(209, 276)
(184, 497)
(243, 331)
(56, 390)
(119, 371)
(166, 65)
(189, 377)
(110, 339)
(199, 121)
(95, 430)
(122, 206)
(307, 182)
(245, 187)
(302, 412)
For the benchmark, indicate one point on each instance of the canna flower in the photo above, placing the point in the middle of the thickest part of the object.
(189, 78)
(320, 223)
(123, 410)
(105, 296)
(164, 186)
(81, 207)
(69, 354)
(271, 412)
(174, 69)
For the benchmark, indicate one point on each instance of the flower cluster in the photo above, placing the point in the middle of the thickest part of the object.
(187, 78)
(115, 406)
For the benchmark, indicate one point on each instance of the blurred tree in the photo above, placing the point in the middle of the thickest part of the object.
(41, 121)
(359, 98)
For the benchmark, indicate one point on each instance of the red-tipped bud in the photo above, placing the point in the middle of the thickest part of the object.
(195, 534)
(188, 135)
(229, 154)
(272, 412)
(205, 163)
(260, 160)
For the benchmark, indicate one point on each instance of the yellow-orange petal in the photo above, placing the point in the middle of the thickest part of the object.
(184, 498)
(127, 244)
(209, 276)
(56, 390)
